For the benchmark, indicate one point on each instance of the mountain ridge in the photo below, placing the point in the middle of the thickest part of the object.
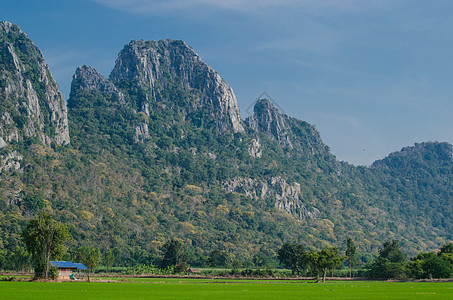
(32, 105)
(156, 66)
(159, 150)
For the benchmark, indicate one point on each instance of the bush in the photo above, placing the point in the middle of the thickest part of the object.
(181, 267)
(53, 273)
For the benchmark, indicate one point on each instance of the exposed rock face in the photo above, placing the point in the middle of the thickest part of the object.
(167, 68)
(266, 119)
(255, 148)
(11, 161)
(141, 131)
(88, 79)
(32, 105)
(88, 82)
(287, 197)
(289, 132)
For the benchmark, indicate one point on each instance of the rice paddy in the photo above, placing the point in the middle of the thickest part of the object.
(172, 288)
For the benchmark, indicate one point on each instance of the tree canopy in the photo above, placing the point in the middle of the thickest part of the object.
(324, 260)
(350, 254)
(173, 253)
(391, 263)
(90, 257)
(45, 238)
(292, 256)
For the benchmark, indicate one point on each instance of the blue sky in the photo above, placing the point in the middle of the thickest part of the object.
(373, 76)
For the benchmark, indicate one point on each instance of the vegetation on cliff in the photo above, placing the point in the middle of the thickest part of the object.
(158, 154)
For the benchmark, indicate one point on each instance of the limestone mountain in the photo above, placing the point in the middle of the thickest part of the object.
(31, 105)
(267, 120)
(422, 175)
(158, 150)
(290, 133)
(87, 79)
(97, 109)
(170, 72)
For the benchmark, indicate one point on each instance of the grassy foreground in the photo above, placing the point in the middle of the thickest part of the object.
(225, 289)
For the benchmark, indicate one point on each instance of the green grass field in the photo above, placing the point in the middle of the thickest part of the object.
(159, 288)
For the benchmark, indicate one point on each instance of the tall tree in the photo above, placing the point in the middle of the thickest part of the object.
(322, 261)
(20, 259)
(90, 257)
(218, 258)
(446, 253)
(430, 265)
(447, 248)
(351, 254)
(173, 253)
(391, 263)
(45, 238)
(292, 256)
(108, 259)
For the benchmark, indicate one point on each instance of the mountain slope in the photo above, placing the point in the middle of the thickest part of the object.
(31, 107)
(422, 177)
(158, 150)
(170, 72)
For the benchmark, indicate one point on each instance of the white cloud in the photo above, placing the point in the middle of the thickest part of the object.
(159, 6)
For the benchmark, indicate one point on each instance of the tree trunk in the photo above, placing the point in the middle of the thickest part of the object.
(324, 276)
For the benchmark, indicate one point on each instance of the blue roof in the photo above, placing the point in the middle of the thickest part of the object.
(68, 264)
(80, 266)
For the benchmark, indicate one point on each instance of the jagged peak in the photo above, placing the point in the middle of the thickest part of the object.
(28, 85)
(86, 73)
(10, 37)
(289, 132)
(267, 119)
(266, 104)
(88, 79)
(163, 43)
(7, 27)
(138, 55)
(265, 107)
(159, 67)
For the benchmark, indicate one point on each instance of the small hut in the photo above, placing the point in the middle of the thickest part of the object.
(69, 270)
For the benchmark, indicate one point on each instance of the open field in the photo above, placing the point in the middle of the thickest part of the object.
(159, 288)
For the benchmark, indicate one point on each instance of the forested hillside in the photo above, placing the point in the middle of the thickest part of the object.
(158, 150)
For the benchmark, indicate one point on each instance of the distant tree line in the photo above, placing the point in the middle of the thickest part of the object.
(391, 262)
(45, 240)
(313, 262)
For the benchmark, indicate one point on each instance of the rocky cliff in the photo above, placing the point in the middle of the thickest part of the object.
(285, 197)
(153, 156)
(31, 104)
(266, 119)
(290, 133)
(88, 80)
(171, 73)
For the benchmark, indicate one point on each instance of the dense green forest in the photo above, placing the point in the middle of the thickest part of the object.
(45, 239)
(156, 152)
